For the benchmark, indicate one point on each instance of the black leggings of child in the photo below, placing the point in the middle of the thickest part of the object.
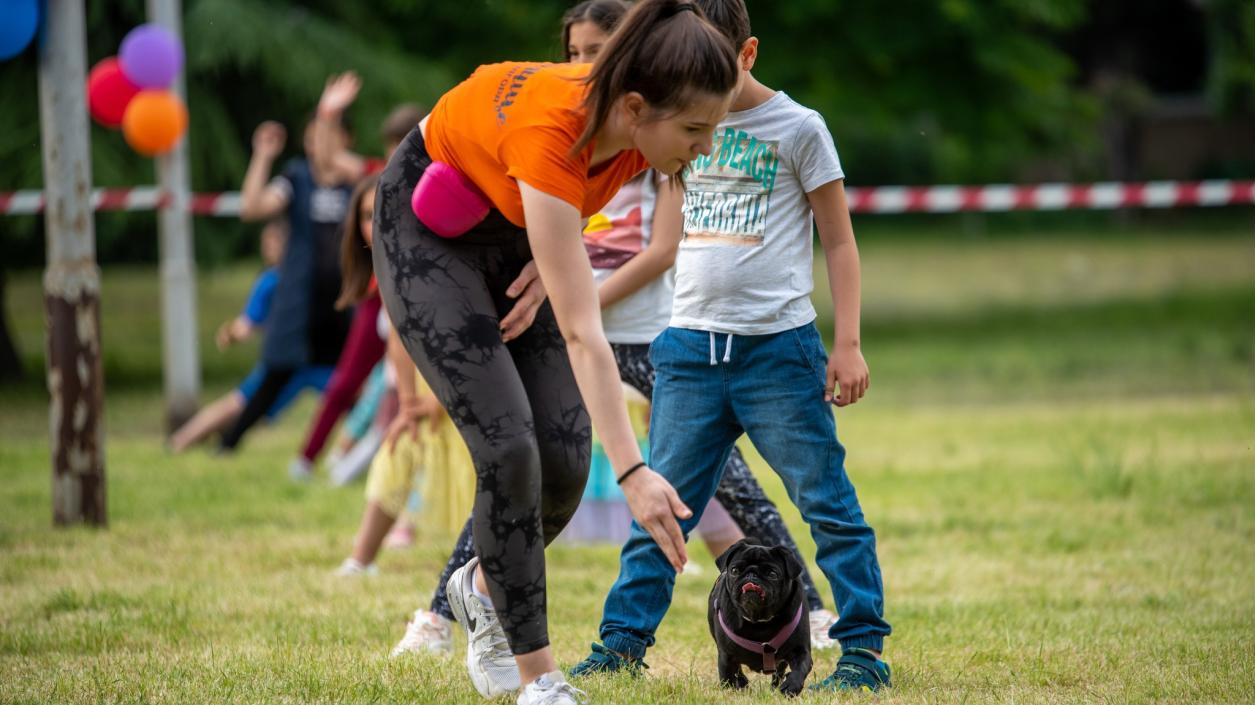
(516, 404)
(738, 492)
(268, 391)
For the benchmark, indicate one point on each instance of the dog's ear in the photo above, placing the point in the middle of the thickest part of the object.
(792, 566)
(722, 561)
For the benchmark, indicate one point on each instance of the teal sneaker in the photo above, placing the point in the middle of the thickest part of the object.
(603, 660)
(858, 669)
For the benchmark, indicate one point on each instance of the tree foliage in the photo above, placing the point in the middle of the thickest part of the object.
(915, 91)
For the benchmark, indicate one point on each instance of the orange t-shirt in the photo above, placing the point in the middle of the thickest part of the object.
(517, 121)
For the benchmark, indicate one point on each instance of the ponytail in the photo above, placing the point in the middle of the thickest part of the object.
(664, 50)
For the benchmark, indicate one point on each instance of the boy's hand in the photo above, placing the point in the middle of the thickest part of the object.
(848, 377)
(222, 338)
(268, 139)
(339, 93)
(231, 332)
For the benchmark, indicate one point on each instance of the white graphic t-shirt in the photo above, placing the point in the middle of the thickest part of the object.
(744, 265)
(612, 237)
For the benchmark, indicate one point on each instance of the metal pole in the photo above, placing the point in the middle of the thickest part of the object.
(179, 351)
(72, 279)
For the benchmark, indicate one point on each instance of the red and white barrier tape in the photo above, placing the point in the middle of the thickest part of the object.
(143, 198)
(1050, 197)
(877, 199)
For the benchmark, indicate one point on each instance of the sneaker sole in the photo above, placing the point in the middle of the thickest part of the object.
(456, 593)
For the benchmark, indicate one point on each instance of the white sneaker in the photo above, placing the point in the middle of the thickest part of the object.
(351, 568)
(300, 470)
(821, 620)
(551, 689)
(488, 657)
(426, 632)
(334, 456)
(355, 463)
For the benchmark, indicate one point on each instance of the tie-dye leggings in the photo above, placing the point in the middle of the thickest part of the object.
(516, 404)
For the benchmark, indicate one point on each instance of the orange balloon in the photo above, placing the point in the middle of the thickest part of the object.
(154, 122)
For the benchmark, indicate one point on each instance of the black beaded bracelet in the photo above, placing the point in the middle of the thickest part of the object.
(630, 470)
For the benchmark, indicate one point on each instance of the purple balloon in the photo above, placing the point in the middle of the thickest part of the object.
(151, 56)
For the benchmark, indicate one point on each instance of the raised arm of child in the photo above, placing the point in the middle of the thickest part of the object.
(848, 378)
(259, 199)
(331, 156)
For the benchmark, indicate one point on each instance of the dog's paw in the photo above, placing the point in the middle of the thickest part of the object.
(737, 681)
(791, 686)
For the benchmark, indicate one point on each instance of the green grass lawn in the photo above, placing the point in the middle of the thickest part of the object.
(1058, 454)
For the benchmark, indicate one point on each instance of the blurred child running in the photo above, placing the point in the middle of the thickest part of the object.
(224, 411)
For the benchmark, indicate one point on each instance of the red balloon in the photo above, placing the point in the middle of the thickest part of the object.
(109, 91)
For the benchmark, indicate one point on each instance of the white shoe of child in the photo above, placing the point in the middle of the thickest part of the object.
(300, 470)
(821, 620)
(352, 568)
(427, 632)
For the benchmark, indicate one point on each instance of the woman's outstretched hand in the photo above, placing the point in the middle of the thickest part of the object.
(655, 506)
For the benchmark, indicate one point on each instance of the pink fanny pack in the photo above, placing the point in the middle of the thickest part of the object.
(447, 202)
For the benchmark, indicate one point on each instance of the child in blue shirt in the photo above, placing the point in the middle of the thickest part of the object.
(222, 412)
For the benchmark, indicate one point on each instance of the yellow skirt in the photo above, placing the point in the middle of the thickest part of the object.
(448, 476)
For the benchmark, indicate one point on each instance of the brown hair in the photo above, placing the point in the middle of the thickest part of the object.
(356, 267)
(603, 13)
(400, 121)
(664, 50)
(730, 17)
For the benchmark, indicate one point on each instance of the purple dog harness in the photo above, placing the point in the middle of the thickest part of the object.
(768, 648)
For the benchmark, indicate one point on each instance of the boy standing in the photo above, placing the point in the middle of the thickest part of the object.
(742, 354)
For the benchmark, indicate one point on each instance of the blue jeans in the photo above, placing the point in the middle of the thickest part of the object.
(711, 388)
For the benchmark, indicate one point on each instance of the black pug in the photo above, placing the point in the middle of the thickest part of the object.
(758, 617)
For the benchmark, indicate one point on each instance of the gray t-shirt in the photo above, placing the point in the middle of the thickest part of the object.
(744, 265)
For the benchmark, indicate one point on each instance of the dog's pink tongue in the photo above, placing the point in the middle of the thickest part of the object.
(751, 587)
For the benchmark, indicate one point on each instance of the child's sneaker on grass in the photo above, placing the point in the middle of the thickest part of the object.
(352, 568)
(857, 669)
(603, 660)
(821, 622)
(551, 689)
(427, 632)
(300, 470)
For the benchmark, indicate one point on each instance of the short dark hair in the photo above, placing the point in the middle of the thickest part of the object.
(400, 121)
(731, 17)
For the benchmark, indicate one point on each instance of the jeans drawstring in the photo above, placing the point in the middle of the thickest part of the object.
(727, 350)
